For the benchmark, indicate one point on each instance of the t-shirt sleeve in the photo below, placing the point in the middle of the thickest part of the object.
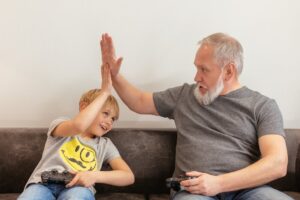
(54, 124)
(165, 101)
(270, 119)
(112, 151)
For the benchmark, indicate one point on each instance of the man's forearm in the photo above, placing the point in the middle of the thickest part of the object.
(130, 95)
(137, 100)
(263, 171)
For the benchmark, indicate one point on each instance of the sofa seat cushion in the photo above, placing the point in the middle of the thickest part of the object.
(118, 196)
(159, 197)
(9, 196)
(294, 195)
(106, 196)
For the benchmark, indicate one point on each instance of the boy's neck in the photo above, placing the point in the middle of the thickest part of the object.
(86, 136)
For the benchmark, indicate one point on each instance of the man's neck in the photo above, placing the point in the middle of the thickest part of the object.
(231, 87)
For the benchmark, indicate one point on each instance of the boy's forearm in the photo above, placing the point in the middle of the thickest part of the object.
(85, 118)
(115, 177)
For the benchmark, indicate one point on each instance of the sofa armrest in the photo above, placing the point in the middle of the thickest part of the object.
(298, 169)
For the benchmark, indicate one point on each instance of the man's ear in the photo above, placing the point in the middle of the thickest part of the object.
(230, 71)
(82, 105)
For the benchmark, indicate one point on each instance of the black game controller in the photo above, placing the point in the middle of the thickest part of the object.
(54, 176)
(174, 182)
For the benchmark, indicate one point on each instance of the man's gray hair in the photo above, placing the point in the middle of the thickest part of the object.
(226, 49)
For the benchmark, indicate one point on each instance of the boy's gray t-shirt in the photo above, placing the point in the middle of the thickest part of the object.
(223, 136)
(73, 154)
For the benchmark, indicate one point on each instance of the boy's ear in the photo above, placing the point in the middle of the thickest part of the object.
(82, 105)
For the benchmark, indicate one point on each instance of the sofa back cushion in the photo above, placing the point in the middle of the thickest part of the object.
(151, 156)
(289, 182)
(20, 150)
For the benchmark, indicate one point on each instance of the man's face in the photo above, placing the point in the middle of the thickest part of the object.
(209, 76)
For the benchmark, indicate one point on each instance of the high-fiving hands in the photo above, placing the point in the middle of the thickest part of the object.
(109, 56)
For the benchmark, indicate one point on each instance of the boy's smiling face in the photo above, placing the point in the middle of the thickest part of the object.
(102, 123)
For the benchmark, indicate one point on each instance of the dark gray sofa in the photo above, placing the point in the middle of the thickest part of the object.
(149, 152)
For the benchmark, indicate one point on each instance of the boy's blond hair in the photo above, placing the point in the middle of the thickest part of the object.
(89, 96)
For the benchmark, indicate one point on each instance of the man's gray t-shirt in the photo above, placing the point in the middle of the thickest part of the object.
(220, 137)
(73, 154)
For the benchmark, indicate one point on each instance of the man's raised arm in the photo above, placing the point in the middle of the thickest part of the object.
(137, 100)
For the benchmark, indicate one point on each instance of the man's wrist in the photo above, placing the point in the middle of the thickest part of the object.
(221, 183)
(116, 78)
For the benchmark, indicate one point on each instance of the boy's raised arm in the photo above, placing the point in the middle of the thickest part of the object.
(82, 121)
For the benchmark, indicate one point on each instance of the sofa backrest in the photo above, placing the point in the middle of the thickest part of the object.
(151, 156)
(20, 150)
(149, 152)
(290, 181)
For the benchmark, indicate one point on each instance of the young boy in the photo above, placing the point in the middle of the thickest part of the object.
(77, 145)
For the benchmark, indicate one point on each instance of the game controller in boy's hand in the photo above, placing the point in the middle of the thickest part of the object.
(174, 182)
(54, 176)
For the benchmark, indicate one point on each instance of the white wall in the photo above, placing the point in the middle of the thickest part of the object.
(49, 52)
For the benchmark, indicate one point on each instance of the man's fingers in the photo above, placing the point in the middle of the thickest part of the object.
(119, 62)
(189, 182)
(193, 173)
(101, 46)
(107, 48)
(110, 45)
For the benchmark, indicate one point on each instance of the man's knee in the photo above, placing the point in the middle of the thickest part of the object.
(183, 195)
(262, 193)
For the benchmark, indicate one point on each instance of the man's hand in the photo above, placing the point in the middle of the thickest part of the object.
(108, 55)
(85, 179)
(204, 184)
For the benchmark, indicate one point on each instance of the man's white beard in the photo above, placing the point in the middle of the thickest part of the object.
(211, 94)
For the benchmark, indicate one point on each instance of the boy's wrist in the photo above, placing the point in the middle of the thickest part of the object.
(106, 92)
(98, 177)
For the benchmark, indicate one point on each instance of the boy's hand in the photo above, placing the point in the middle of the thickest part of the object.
(109, 56)
(85, 179)
(106, 84)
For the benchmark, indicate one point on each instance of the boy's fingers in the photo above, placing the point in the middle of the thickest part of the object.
(73, 182)
(105, 68)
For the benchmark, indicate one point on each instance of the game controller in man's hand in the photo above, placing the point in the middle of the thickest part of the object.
(174, 182)
(54, 176)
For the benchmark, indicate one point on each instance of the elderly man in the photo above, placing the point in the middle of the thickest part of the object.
(229, 137)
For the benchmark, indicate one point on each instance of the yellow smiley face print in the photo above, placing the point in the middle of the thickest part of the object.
(78, 156)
